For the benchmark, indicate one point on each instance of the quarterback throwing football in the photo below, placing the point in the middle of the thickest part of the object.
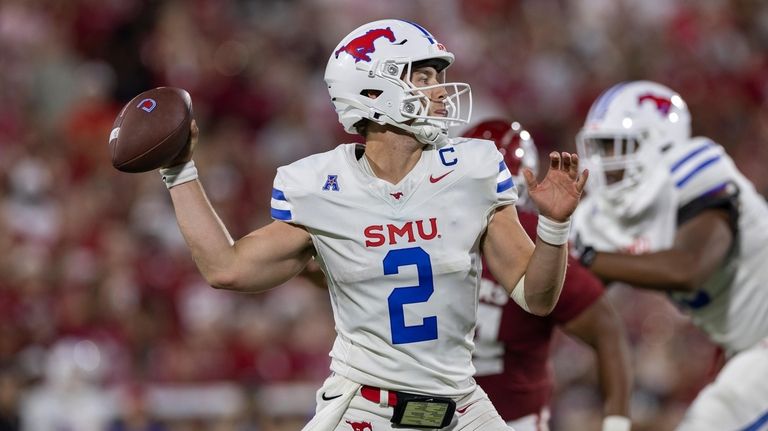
(397, 225)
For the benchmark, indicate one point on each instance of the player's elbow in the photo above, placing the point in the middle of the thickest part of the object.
(541, 299)
(542, 311)
(686, 276)
(242, 281)
(228, 280)
(541, 305)
(221, 280)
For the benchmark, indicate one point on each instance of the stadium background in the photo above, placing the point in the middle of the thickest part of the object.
(102, 313)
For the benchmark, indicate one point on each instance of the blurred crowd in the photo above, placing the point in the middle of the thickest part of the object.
(106, 325)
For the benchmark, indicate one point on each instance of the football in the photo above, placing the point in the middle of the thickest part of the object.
(151, 129)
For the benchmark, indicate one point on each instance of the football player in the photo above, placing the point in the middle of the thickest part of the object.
(512, 346)
(669, 212)
(397, 226)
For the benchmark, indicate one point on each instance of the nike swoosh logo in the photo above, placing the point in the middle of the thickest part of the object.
(436, 179)
(462, 410)
(329, 398)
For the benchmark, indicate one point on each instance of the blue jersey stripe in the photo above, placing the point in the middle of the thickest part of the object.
(504, 185)
(278, 194)
(701, 300)
(717, 189)
(755, 426)
(423, 30)
(698, 169)
(689, 156)
(283, 215)
(502, 166)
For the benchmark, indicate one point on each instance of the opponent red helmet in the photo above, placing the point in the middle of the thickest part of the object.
(514, 143)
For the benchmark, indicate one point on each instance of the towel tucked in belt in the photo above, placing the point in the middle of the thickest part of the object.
(328, 413)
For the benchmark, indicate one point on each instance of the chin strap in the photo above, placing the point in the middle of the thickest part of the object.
(429, 134)
(425, 131)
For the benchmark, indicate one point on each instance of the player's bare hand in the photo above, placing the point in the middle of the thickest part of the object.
(557, 195)
(186, 154)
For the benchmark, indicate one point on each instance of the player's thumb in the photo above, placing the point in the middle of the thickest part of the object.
(530, 179)
(185, 154)
(194, 133)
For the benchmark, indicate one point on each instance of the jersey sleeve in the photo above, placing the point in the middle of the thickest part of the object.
(281, 207)
(703, 168)
(506, 190)
(486, 165)
(703, 177)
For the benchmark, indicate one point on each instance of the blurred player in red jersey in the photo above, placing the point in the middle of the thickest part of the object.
(512, 346)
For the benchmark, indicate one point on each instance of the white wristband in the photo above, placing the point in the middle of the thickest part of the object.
(179, 174)
(553, 232)
(616, 423)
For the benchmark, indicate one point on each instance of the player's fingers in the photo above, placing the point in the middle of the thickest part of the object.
(530, 179)
(573, 172)
(193, 130)
(554, 160)
(194, 133)
(581, 181)
(565, 161)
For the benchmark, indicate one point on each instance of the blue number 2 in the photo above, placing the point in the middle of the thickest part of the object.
(402, 334)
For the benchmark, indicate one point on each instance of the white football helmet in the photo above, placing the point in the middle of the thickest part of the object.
(626, 132)
(377, 58)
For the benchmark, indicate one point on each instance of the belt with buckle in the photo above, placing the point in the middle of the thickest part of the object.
(374, 395)
(413, 410)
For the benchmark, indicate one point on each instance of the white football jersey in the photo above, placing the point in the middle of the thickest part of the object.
(402, 261)
(732, 305)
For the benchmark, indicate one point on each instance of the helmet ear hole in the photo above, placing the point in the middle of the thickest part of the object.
(371, 93)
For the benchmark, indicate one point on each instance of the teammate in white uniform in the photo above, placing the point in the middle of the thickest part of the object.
(669, 212)
(397, 226)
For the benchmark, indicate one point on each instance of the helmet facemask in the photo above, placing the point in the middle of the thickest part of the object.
(414, 104)
(614, 160)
